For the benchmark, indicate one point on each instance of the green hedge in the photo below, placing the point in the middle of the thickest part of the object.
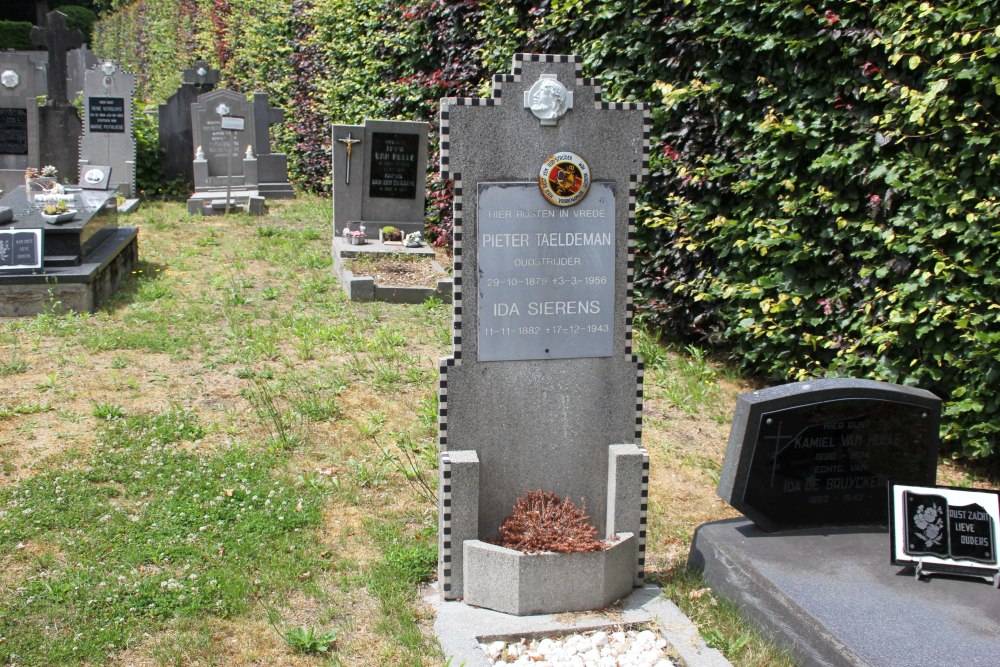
(16, 35)
(825, 180)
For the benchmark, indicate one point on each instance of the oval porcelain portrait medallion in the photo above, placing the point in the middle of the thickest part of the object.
(564, 178)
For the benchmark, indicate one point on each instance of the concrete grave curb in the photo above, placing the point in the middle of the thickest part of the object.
(364, 288)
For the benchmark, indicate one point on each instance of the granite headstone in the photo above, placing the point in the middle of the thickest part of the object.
(222, 151)
(543, 390)
(108, 139)
(20, 79)
(380, 175)
(174, 121)
(821, 453)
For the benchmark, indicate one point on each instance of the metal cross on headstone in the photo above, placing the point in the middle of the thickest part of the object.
(58, 39)
(349, 142)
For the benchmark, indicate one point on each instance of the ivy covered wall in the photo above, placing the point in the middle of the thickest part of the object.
(825, 180)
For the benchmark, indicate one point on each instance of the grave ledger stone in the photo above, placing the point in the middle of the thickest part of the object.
(59, 127)
(176, 140)
(380, 175)
(108, 139)
(543, 390)
(822, 452)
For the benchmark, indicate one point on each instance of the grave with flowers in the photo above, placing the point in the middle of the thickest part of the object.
(379, 180)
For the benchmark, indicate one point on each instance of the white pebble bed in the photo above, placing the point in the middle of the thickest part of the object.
(624, 648)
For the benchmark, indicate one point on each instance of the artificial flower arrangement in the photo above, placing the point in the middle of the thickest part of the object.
(42, 181)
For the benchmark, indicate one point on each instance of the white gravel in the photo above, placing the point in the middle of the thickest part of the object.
(624, 648)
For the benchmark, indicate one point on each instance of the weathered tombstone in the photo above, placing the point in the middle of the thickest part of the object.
(543, 390)
(59, 126)
(19, 81)
(175, 134)
(380, 175)
(235, 159)
(108, 139)
(821, 453)
(222, 153)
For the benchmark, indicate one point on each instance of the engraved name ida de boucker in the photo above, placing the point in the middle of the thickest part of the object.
(548, 99)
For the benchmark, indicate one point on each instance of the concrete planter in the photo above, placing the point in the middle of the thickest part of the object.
(523, 584)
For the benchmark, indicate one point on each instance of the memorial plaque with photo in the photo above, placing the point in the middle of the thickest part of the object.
(393, 165)
(107, 114)
(546, 274)
(14, 131)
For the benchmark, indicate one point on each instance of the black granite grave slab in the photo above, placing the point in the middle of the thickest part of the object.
(67, 243)
(821, 453)
(834, 599)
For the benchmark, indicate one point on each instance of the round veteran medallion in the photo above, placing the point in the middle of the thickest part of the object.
(564, 179)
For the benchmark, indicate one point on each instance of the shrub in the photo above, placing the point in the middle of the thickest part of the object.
(16, 35)
(541, 521)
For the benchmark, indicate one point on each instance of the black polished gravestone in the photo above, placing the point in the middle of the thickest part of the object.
(175, 132)
(822, 453)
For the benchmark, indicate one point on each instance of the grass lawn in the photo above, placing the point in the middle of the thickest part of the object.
(227, 464)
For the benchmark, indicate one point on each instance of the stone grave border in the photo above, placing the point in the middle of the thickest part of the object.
(364, 288)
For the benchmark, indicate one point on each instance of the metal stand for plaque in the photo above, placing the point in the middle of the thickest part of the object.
(234, 124)
(923, 569)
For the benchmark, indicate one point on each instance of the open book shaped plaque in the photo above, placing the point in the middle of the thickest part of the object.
(21, 249)
(945, 530)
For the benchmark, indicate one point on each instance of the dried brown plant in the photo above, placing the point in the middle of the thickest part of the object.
(542, 522)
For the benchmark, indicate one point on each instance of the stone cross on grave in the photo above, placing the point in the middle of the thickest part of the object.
(264, 116)
(58, 39)
(543, 390)
(201, 74)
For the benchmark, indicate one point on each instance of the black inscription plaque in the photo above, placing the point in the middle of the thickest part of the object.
(816, 464)
(393, 165)
(107, 114)
(13, 131)
(943, 529)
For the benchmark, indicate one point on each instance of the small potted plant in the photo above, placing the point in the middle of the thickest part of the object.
(390, 234)
(355, 236)
(57, 212)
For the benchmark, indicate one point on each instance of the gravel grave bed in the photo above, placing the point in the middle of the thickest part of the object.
(621, 648)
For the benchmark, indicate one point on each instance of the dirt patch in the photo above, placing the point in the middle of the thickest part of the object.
(398, 271)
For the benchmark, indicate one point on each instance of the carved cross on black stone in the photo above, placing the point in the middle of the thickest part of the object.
(58, 39)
